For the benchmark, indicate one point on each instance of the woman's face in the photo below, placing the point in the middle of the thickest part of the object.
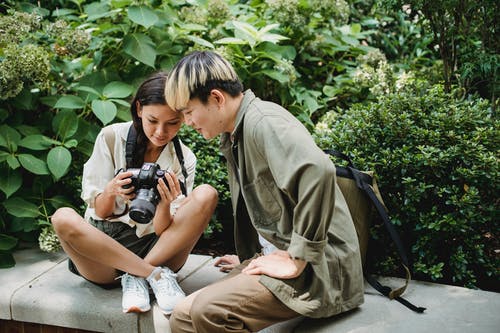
(160, 123)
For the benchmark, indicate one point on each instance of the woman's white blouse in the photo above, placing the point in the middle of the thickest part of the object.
(101, 168)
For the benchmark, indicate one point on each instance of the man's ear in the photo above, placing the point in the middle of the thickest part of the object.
(218, 96)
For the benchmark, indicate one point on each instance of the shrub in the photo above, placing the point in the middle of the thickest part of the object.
(436, 158)
(210, 169)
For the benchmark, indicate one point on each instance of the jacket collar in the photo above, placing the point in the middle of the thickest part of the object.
(228, 138)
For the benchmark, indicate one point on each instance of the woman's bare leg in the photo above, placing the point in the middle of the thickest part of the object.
(95, 254)
(192, 217)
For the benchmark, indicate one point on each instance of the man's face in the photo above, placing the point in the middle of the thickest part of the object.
(204, 118)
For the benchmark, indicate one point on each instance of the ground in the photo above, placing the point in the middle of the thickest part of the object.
(213, 247)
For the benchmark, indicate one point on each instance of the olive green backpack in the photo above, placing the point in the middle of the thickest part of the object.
(364, 200)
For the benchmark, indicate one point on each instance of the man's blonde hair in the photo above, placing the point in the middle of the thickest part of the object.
(195, 75)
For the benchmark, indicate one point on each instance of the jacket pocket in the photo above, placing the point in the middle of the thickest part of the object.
(262, 203)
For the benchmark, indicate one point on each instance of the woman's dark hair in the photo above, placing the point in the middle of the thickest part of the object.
(150, 92)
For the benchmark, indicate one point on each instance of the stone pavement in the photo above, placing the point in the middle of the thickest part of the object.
(40, 289)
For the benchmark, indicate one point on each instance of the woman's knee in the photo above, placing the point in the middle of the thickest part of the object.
(206, 196)
(63, 220)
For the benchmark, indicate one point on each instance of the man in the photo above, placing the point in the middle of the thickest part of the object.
(293, 230)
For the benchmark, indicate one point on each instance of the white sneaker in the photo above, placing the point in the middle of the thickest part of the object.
(135, 294)
(166, 289)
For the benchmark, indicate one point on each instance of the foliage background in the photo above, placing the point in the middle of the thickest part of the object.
(69, 67)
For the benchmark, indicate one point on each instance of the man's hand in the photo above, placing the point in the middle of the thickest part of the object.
(278, 264)
(227, 262)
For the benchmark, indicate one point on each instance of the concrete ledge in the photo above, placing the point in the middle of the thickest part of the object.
(40, 289)
(31, 263)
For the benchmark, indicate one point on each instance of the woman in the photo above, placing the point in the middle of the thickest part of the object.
(107, 243)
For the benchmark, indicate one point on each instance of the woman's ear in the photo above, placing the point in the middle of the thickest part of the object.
(138, 108)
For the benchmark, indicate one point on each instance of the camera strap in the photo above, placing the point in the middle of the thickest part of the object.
(130, 147)
(180, 157)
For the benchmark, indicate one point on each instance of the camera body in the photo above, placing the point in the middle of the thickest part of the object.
(144, 180)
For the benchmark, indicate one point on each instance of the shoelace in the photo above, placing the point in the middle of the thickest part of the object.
(167, 282)
(131, 284)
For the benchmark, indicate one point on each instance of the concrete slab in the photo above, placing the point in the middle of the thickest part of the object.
(200, 278)
(191, 266)
(449, 309)
(30, 264)
(40, 289)
(61, 298)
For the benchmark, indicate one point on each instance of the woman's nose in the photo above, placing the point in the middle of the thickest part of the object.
(160, 130)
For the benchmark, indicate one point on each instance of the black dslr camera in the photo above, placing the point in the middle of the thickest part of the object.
(144, 181)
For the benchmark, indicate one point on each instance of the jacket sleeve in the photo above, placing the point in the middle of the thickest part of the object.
(305, 176)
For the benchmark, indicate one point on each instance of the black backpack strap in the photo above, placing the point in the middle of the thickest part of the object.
(364, 182)
(385, 290)
(180, 157)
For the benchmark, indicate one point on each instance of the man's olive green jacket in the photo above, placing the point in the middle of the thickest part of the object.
(284, 187)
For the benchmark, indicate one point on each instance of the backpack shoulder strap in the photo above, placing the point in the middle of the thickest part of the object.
(109, 137)
(386, 290)
(364, 182)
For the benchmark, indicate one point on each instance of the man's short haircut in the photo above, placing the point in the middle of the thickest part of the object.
(195, 75)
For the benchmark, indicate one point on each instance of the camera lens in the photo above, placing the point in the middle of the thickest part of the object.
(143, 207)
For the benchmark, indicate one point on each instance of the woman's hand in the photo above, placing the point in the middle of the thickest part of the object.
(169, 188)
(115, 186)
(227, 262)
(278, 264)
(168, 193)
(104, 203)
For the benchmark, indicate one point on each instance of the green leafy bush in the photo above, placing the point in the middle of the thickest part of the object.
(436, 158)
(67, 68)
(210, 169)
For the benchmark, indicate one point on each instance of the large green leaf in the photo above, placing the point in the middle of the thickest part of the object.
(200, 41)
(10, 138)
(37, 142)
(70, 102)
(140, 47)
(65, 124)
(276, 75)
(117, 89)
(142, 15)
(88, 89)
(7, 242)
(33, 164)
(3, 142)
(58, 161)
(3, 155)
(4, 114)
(12, 162)
(104, 110)
(58, 201)
(7, 260)
(10, 181)
(21, 208)
(231, 40)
